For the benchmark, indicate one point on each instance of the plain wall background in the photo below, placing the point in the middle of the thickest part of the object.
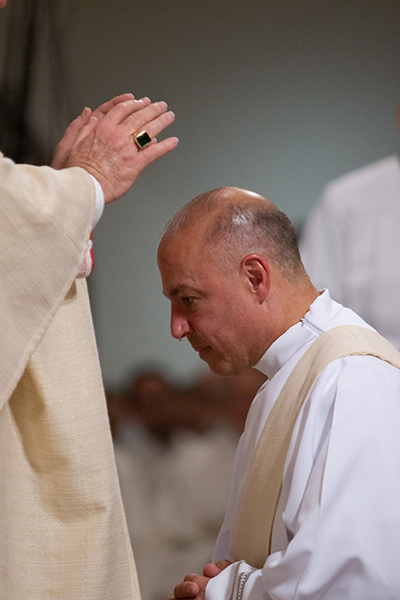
(275, 96)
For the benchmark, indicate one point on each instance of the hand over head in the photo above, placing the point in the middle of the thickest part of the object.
(61, 155)
(102, 143)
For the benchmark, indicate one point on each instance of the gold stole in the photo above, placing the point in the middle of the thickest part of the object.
(252, 541)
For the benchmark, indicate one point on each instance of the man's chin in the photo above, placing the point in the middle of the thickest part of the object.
(204, 353)
(222, 367)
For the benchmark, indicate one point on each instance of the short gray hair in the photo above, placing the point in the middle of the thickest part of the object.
(236, 227)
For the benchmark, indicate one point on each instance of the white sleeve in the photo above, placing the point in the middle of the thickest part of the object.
(239, 581)
(98, 211)
(88, 262)
(345, 532)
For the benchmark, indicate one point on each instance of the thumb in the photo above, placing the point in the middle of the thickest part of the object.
(213, 569)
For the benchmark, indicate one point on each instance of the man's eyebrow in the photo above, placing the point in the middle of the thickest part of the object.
(184, 289)
(174, 292)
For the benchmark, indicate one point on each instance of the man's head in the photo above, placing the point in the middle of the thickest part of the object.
(230, 266)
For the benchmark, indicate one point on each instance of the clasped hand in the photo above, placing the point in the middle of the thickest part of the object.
(194, 586)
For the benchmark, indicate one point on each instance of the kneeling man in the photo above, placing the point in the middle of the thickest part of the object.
(314, 507)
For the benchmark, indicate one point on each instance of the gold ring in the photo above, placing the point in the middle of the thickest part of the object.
(141, 139)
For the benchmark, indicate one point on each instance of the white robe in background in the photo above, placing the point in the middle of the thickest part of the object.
(351, 244)
(336, 532)
(63, 533)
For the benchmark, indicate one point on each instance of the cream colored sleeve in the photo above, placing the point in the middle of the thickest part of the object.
(46, 221)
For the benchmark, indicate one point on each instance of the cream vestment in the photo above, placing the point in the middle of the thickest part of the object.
(62, 528)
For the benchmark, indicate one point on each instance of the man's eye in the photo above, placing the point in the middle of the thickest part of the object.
(187, 300)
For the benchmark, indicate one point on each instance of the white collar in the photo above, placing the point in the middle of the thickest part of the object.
(317, 320)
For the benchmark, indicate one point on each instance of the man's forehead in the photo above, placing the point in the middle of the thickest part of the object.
(181, 245)
(185, 269)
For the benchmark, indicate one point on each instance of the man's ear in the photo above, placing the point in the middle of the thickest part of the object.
(256, 270)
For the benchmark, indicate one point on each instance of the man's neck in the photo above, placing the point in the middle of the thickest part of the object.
(287, 307)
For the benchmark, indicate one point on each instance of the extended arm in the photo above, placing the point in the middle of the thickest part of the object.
(47, 217)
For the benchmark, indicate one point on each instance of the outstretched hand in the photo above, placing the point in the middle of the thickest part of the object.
(194, 586)
(61, 155)
(102, 142)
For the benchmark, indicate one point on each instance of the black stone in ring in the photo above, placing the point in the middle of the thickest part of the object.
(141, 139)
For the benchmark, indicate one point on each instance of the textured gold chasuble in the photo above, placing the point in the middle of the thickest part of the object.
(62, 528)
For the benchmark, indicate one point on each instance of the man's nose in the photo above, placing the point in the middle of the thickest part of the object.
(180, 325)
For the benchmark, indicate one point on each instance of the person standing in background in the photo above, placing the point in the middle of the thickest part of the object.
(351, 243)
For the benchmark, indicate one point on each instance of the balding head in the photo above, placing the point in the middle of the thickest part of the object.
(233, 223)
(230, 266)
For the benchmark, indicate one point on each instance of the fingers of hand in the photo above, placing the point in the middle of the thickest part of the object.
(133, 115)
(69, 138)
(214, 569)
(141, 118)
(80, 121)
(222, 564)
(88, 128)
(104, 108)
(154, 151)
(76, 126)
(157, 125)
(211, 570)
(118, 114)
(187, 589)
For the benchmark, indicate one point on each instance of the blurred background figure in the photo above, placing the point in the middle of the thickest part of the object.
(167, 439)
(351, 243)
(149, 401)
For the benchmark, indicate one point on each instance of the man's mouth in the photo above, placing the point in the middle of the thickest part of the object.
(202, 350)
